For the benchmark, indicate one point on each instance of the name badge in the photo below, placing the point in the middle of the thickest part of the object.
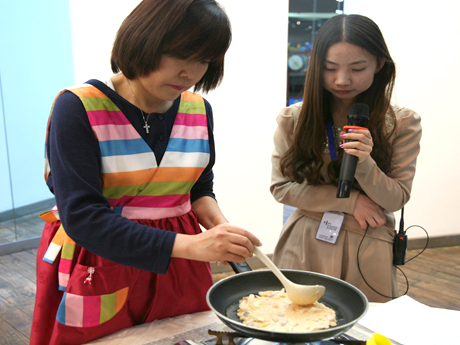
(330, 226)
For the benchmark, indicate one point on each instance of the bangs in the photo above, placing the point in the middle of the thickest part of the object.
(209, 49)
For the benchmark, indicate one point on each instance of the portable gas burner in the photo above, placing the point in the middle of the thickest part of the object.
(234, 338)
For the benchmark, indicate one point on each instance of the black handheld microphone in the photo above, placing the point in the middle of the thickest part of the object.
(357, 118)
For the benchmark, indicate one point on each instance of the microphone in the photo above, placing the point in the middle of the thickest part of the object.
(357, 119)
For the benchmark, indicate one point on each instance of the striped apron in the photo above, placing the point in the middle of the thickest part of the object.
(82, 296)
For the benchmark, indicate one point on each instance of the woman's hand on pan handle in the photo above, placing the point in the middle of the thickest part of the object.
(368, 212)
(362, 143)
(224, 242)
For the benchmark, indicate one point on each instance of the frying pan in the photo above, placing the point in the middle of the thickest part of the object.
(349, 303)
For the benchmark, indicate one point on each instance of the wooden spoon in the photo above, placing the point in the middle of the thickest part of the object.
(297, 293)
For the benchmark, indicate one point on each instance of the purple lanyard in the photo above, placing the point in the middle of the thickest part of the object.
(330, 136)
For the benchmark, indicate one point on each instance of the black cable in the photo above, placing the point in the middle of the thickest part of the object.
(362, 276)
(427, 241)
(405, 277)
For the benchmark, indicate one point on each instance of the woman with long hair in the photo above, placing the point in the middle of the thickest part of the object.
(349, 238)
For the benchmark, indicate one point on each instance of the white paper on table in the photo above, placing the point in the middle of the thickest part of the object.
(413, 323)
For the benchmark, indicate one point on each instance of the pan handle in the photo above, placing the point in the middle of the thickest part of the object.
(240, 268)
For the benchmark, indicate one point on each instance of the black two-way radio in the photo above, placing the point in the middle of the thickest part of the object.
(400, 243)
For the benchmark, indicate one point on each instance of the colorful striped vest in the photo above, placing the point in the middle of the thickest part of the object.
(134, 184)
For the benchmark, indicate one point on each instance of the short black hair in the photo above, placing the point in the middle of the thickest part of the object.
(185, 29)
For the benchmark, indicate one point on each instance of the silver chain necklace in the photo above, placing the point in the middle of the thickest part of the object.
(146, 119)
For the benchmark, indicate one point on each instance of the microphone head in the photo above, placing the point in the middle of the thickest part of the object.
(358, 115)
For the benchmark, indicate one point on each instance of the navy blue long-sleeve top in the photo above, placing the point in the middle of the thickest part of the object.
(75, 161)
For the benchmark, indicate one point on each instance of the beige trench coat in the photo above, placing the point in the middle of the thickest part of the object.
(298, 248)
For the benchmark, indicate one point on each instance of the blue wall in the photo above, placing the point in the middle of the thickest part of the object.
(35, 63)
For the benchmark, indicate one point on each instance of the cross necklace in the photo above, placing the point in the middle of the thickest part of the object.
(146, 119)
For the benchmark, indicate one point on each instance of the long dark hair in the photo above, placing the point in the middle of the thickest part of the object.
(185, 29)
(304, 159)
